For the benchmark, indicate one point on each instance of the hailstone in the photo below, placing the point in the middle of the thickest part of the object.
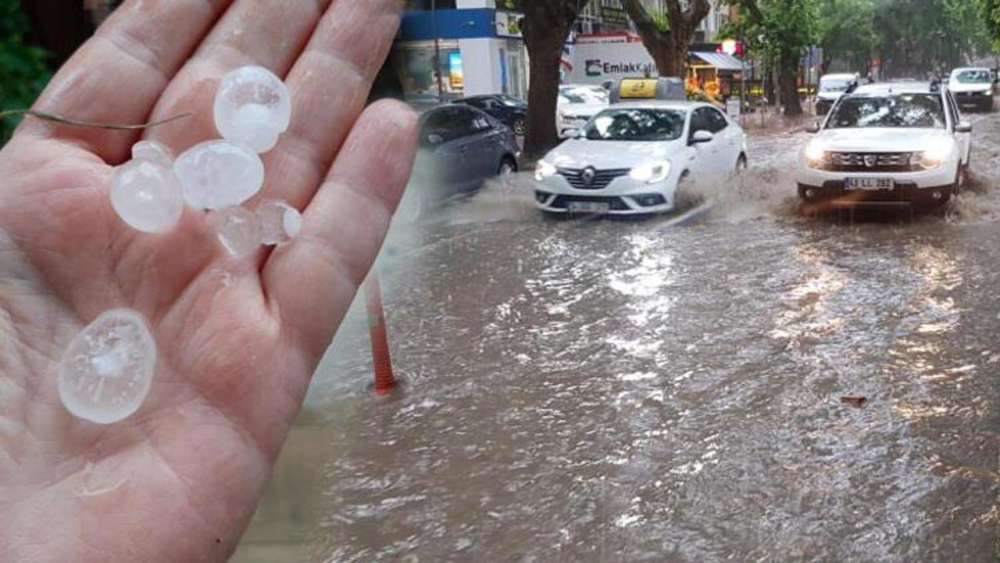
(217, 174)
(146, 194)
(237, 228)
(252, 107)
(152, 151)
(106, 371)
(279, 222)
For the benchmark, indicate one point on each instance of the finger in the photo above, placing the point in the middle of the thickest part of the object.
(118, 74)
(329, 83)
(269, 33)
(312, 280)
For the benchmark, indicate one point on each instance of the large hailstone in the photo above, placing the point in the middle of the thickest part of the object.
(146, 194)
(152, 151)
(252, 107)
(217, 174)
(279, 222)
(106, 371)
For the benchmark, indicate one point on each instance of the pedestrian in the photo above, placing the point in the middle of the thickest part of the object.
(238, 339)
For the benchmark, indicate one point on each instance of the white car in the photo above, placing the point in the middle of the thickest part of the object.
(831, 88)
(631, 158)
(973, 87)
(895, 142)
(577, 104)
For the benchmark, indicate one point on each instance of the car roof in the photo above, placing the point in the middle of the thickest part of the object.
(840, 76)
(976, 68)
(660, 104)
(886, 88)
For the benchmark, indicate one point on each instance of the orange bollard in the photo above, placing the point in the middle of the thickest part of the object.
(384, 379)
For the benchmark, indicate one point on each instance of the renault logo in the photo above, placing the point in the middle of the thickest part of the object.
(871, 160)
(588, 176)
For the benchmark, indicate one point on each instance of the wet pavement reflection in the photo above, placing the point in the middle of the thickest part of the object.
(641, 391)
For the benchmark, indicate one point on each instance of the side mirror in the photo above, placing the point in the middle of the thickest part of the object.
(702, 137)
(963, 127)
(813, 127)
(434, 139)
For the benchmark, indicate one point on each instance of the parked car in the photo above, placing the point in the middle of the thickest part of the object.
(894, 142)
(831, 88)
(973, 87)
(577, 104)
(638, 158)
(460, 148)
(510, 111)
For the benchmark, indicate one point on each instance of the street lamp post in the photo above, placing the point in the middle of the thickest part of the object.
(437, 51)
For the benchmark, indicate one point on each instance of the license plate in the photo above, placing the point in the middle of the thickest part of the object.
(589, 207)
(869, 183)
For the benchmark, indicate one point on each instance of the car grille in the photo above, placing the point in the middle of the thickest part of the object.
(884, 162)
(614, 203)
(601, 177)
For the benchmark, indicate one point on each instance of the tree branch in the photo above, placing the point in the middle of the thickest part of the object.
(642, 19)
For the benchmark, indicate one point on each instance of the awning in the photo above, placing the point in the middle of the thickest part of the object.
(720, 61)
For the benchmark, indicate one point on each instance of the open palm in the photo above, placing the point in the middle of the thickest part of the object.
(238, 338)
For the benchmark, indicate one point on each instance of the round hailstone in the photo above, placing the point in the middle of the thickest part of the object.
(237, 228)
(105, 374)
(217, 174)
(147, 195)
(152, 151)
(279, 221)
(252, 107)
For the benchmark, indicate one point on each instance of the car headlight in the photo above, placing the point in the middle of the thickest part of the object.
(936, 152)
(650, 173)
(815, 153)
(544, 170)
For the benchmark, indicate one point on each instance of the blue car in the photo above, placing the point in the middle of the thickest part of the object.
(460, 148)
(510, 111)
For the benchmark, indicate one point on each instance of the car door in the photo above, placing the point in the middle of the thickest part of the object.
(703, 156)
(964, 139)
(438, 168)
(728, 138)
(469, 148)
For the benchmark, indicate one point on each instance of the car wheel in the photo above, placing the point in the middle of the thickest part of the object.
(505, 173)
(686, 197)
(961, 177)
(520, 126)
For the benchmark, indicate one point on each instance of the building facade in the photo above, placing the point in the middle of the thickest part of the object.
(478, 49)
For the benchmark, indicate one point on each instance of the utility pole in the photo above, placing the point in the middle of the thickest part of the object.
(437, 51)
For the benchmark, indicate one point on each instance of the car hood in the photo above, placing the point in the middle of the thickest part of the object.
(884, 139)
(959, 87)
(580, 153)
(829, 95)
(588, 110)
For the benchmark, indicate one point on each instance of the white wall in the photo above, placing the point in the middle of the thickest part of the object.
(462, 4)
(481, 65)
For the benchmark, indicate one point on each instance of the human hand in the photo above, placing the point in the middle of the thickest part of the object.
(238, 339)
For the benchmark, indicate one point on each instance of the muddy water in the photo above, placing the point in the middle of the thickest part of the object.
(642, 391)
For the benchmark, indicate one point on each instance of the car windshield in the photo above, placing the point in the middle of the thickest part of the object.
(972, 77)
(903, 110)
(634, 124)
(583, 96)
(833, 85)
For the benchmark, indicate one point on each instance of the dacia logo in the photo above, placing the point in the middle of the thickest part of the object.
(871, 160)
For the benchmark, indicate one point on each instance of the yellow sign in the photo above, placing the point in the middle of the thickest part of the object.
(637, 88)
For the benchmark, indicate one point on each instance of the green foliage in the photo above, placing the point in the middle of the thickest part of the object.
(989, 11)
(922, 36)
(777, 28)
(23, 73)
(660, 19)
(849, 37)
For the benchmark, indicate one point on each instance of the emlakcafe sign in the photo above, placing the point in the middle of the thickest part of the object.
(594, 63)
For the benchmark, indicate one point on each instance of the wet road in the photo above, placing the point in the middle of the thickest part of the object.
(639, 391)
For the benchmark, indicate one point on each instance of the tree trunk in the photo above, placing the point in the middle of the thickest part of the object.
(545, 49)
(789, 89)
(670, 56)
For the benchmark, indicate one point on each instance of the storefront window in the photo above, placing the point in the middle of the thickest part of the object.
(415, 64)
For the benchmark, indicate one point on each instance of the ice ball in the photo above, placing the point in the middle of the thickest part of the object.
(152, 151)
(217, 174)
(279, 222)
(146, 194)
(252, 107)
(106, 371)
(237, 228)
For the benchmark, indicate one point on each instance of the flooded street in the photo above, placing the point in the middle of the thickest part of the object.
(607, 391)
